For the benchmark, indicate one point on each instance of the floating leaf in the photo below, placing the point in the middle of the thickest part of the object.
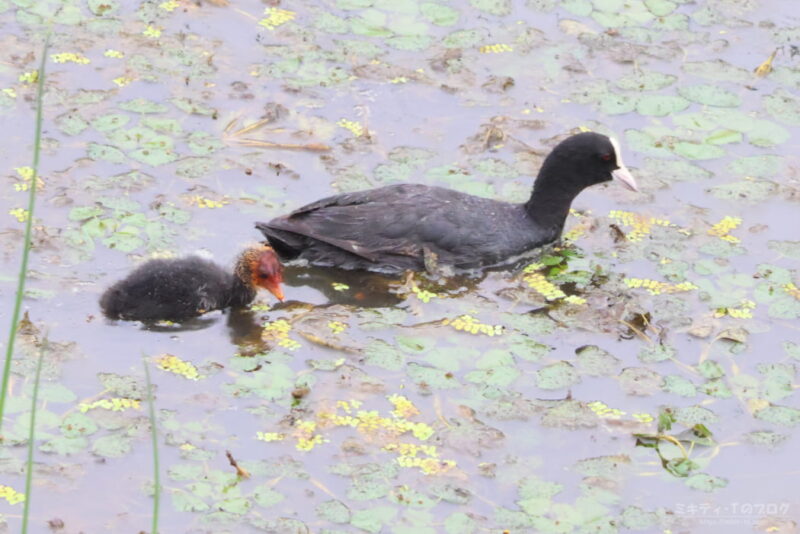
(557, 375)
(661, 105)
(764, 166)
(698, 150)
(710, 95)
(142, 105)
(705, 482)
(784, 106)
(153, 156)
(717, 69)
(746, 190)
(439, 14)
(493, 7)
(640, 381)
(644, 80)
(108, 153)
(780, 415)
(679, 386)
(595, 361)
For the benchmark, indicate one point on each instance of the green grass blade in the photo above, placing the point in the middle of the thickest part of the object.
(154, 435)
(23, 268)
(32, 437)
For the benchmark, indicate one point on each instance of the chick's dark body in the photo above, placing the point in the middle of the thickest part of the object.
(172, 290)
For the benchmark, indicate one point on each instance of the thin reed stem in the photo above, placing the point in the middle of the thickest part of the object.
(26, 247)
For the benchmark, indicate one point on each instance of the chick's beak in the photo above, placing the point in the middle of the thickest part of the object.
(624, 175)
(274, 286)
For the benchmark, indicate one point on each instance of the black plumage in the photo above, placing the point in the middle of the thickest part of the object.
(407, 226)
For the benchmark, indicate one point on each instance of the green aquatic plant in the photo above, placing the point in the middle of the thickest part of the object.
(26, 246)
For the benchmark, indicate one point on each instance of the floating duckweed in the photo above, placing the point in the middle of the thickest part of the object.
(643, 417)
(575, 233)
(354, 127)
(70, 57)
(122, 81)
(307, 438)
(116, 404)
(11, 495)
(467, 323)
(429, 466)
(533, 267)
(169, 5)
(722, 229)
(29, 77)
(792, 290)
(575, 299)
(202, 202)
(541, 285)
(173, 364)
(279, 331)
(306, 444)
(26, 173)
(187, 447)
(410, 450)
(337, 327)
(640, 224)
(602, 410)
(402, 406)
(370, 423)
(744, 311)
(270, 436)
(578, 230)
(276, 17)
(423, 294)
(10, 92)
(338, 286)
(399, 79)
(151, 32)
(407, 457)
(21, 214)
(496, 49)
(290, 344)
(349, 406)
(281, 325)
(655, 287)
(114, 53)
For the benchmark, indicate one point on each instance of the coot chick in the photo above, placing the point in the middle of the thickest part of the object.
(410, 226)
(180, 289)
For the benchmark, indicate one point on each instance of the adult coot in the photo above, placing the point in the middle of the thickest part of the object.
(400, 227)
(179, 289)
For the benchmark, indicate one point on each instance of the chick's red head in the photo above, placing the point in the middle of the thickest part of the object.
(268, 272)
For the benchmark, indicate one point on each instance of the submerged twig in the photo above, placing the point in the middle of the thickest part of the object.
(236, 137)
(317, 147)
(240, 471)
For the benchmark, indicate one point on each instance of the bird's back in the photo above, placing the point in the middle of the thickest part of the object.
(397, 227)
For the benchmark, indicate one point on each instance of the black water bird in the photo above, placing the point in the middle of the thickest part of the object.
(410, 226)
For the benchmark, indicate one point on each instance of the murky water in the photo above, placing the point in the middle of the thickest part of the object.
(144, 155)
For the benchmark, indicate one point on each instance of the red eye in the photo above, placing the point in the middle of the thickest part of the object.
(605, 157)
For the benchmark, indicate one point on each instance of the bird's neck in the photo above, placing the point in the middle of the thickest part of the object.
(241, 293)
(549, 204)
